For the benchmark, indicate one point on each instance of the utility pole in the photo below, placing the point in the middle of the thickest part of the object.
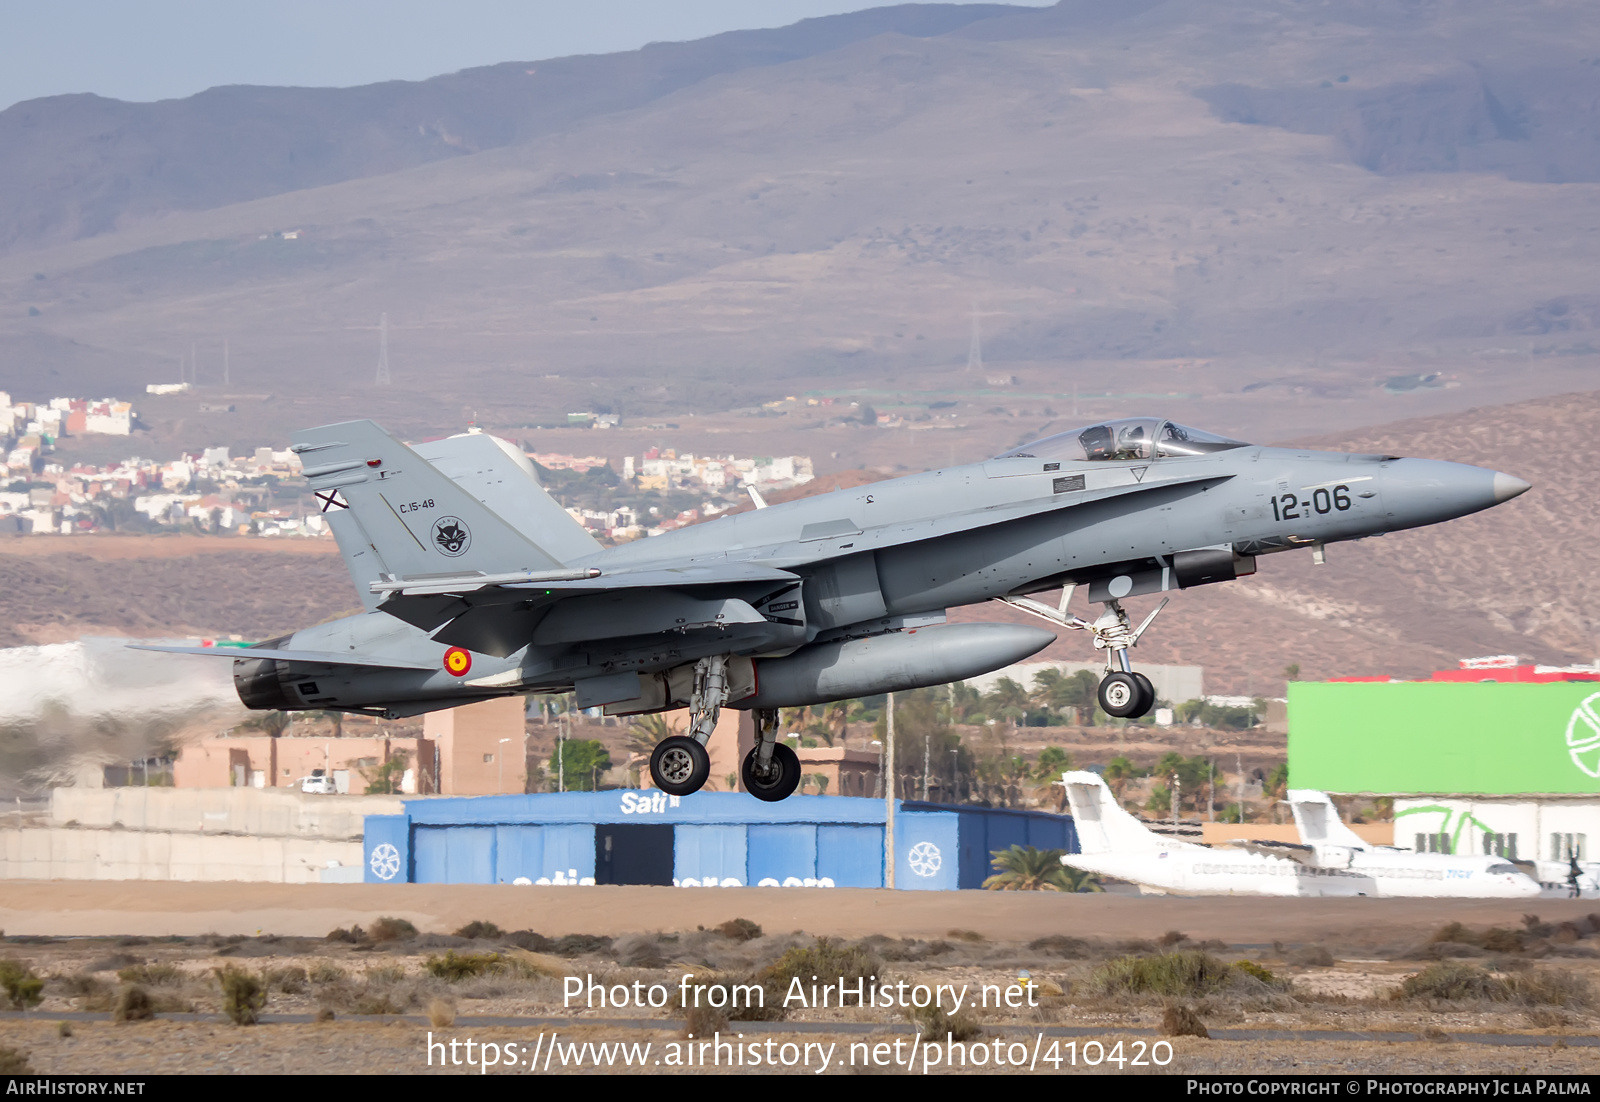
(1177, 795)
(888, 795)
(925, 748)
(383, 350)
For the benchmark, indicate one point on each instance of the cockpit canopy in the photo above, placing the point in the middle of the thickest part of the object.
(1133, 438)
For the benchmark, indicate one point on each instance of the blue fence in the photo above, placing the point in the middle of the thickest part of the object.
(714, 839)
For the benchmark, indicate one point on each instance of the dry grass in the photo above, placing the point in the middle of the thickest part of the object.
(1186, 973)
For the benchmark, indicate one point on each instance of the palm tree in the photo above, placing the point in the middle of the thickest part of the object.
(1029, 869)
(645, 731)
(1119, 771)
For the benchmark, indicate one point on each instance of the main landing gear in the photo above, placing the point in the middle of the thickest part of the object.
(680, 764)
(1123, 693)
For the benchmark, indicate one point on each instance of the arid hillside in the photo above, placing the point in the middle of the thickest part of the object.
(1268, 212)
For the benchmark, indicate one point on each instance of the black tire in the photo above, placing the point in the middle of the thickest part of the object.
(1147, 703)
(680, 766)
(784, 780)
(1120, 695)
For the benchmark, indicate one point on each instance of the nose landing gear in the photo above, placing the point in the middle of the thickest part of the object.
(1123, 693)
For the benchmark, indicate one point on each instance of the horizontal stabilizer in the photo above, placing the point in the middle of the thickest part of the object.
(321, 658)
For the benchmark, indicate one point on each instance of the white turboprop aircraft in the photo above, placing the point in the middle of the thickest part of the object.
(1402, 872)
(1114, 843)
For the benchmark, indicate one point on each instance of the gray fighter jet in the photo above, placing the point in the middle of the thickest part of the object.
(478, 584)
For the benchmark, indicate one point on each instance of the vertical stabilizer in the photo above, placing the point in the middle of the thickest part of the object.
(497, 473)
(1318, 821)
(415, 520)
(1102, 825)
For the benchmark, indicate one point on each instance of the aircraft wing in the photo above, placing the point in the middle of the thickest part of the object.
(326, 658)
(497, 614)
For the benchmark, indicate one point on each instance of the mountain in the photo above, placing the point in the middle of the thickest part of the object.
(1310, 215)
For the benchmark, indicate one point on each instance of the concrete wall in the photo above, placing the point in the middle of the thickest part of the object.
(66, 853)
(259, 812)
(279, 837)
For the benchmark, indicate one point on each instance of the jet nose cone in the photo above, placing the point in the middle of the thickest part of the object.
(1508, 486)
(1427, 491)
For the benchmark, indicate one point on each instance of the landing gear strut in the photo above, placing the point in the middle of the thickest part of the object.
(1123, 693)
(680, 765)
(771, 771)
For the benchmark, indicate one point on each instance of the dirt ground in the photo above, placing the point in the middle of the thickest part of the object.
(152, 909)
(1313, 973)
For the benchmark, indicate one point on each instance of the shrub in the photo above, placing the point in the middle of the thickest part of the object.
(291, 980)
(133, 1005)
(480, 929)
(573, 945)
(441, 1014)
(1544, 988)
(23, 986)
(964, 935)
(355, 935)
(739, 929)
(825, 962)
(153, 975)
(325, 972)
(391, 929)
(1453, 981)
(1251, 968)
(376, 1002)
(325, 1014)
(1455, 933)
(453, 968)
(1500, 940)
(1185, 973)
(13, 1061)
(1180, 1020)
(704, 1021)
(243, 995)
(386, 973)
(1059, 945)
(936, 1024)
(1311, 955)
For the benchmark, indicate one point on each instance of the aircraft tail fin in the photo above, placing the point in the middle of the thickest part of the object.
(498, 474)
(1318, 820)
(1102, 824)
(406, 518)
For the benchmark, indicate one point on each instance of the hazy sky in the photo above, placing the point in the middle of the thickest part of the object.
(160, 49)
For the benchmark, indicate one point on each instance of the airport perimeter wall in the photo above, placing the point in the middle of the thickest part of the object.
(221, 834)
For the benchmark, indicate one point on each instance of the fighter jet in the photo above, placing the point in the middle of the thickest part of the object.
(477, 583)
(1114, 843)
(1401, 872)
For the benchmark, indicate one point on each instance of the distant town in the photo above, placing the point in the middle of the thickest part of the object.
(262, 494)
